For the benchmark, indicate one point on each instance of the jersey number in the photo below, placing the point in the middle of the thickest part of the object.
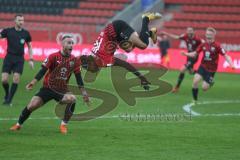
(207, 56)
(190, 48)
(97, 45)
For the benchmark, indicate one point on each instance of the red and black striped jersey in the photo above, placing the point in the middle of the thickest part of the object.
(192, 43)
(59, 72)
(210, 55)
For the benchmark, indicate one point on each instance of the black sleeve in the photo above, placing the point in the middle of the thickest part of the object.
(28, 38)
(41, 73)
(4, 33)
(79, 79)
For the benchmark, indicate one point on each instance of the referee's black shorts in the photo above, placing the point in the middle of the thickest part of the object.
(13, 64)
(47, 94)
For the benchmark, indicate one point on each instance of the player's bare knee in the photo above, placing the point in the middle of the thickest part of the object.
(32, 106)
(4, 78)
(195, 83)
(71, 99)
(34, 103)
(205, 88)
(16, 79)
(4, 81)
(74, 99)
(68, 98)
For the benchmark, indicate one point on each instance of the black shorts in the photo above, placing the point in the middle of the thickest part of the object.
(13, 64)
(190, 63)
(122, 29)
(206, 75)
(47, 94)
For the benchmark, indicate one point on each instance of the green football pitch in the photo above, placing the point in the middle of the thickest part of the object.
(212, 135)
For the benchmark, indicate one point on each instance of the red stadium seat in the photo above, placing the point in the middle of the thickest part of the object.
(205, 2)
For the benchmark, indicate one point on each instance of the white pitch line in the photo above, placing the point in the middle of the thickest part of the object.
(188, 108)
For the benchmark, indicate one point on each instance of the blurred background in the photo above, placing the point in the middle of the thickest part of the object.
(48, 20)
(85, 18)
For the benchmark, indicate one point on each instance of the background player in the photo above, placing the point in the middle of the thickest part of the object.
(209, 63)
(192, 42)
(14, 60)
(164, 45)
(120, 34)
(59, 67)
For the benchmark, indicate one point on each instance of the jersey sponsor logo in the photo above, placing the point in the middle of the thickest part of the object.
(63, 72)
(22, 41)
(71, 64)
(207, 56)
(97, 44)
(213, 49)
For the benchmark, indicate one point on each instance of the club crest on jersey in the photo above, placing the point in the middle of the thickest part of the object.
(71, 63)
(22, 41)
(194, 42)
(204, 48)
(212, 49)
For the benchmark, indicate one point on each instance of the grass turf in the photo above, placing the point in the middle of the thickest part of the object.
(204, 137)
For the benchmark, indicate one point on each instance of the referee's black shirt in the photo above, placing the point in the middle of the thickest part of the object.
(16, 40)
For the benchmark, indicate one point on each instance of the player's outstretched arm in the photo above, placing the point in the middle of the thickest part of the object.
(38, 77)
(173, 36)
(229, 60)
(189, 54)
(30, 51)
(144, 82)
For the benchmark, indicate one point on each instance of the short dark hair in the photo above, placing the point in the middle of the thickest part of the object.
(18, 15)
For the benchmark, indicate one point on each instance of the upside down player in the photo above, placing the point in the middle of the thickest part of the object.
(119, 33)
(209, 63)
(59, 66)
(192, 41)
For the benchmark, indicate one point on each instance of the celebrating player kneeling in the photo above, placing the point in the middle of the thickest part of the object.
(209, 63)
(59, 66)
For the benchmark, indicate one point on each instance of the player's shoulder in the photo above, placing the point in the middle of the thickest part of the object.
(203, 44)
(8, 29)
(54, 54)
(215, 43)
(75, 58)
(198, 38)
(25, 31)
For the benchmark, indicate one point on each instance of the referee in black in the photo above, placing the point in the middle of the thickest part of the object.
(14, 60)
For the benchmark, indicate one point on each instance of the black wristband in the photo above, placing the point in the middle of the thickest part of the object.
(41, 73)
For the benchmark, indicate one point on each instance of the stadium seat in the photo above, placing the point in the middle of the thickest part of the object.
(71, 15)
(205, 2)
